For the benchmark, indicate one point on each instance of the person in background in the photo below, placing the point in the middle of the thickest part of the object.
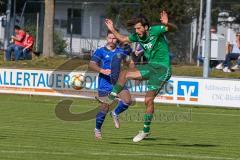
(233, 54)
(17, 44)
(28, 46)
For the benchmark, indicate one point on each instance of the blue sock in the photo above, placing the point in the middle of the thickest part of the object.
(120, 107)
(100, 119)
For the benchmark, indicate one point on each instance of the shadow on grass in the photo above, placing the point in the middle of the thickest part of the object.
(3, 137)
(197, 145)
(154, 139)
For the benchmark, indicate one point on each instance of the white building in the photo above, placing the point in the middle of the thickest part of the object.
(87, 22)
(81, 22)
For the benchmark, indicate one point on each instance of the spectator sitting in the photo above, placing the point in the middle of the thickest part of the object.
(17, 46)
(28, 45)
(233, 54)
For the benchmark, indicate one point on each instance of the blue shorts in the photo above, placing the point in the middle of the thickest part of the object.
(103, 92)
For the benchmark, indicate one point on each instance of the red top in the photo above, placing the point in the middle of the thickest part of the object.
(20, 35)
(29, 40)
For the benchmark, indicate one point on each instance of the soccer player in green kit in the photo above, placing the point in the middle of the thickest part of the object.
(158, 69)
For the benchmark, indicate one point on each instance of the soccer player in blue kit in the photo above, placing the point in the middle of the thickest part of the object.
(107, 62)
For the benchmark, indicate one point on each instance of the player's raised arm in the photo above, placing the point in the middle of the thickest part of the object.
(120, 37)
(164, 20)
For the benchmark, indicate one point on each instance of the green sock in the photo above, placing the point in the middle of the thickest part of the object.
(147, 122)
(117, 88)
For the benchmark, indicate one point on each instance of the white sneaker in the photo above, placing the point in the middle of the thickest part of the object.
(236, 67)
(219, 66)
(115, 119)
(140, 136)
(98, 134)
(226, 69)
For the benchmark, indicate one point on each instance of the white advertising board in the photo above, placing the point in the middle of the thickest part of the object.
(178, 90)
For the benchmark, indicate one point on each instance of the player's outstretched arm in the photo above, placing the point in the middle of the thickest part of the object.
(120, 37)
(94, 67)
(164, 20)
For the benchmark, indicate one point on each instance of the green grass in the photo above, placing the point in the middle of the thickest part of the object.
(40, 63)
(190, 70)
(30, 130)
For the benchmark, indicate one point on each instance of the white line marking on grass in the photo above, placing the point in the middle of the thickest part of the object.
(35, 152)
(19, 146)
(162, 155)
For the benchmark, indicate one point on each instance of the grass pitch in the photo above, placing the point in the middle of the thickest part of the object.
(30, 130)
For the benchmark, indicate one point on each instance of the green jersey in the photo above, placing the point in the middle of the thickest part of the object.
(155, 45)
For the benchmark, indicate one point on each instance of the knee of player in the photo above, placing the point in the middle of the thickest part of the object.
(104, 107)
(148, 101)
(128, 102)
(128, 75)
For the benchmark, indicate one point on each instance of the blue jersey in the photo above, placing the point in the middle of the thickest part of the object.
(108, 59)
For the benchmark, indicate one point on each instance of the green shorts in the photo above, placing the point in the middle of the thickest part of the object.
(157, 76)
